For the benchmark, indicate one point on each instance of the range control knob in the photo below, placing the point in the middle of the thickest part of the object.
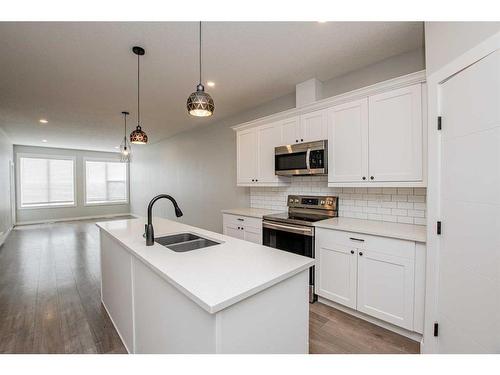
(322, 202)
(296, 201)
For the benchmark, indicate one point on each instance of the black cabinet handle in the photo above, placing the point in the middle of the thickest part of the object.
(356, 239)
(296, 141)
(372, 178)
(364, 178)
(238, 228)
(241, 228)
(240, 219)
(301, 140)
(256, 180)
(352, 251)
(360, 254)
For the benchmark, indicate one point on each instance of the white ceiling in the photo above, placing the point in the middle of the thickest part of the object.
(80, 76)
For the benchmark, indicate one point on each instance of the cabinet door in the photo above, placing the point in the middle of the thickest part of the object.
(336, 270)
(386, 287)
(290, 131)
(348, 142)
(246, 155)
(234, 231)
(253, 235)
(395, 135)
(268, 137)
(314, 126)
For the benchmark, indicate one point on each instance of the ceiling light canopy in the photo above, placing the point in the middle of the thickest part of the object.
(138, 136)
(200, 103)
(43, 121)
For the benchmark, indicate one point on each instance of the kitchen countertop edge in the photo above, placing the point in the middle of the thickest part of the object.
(409, 232)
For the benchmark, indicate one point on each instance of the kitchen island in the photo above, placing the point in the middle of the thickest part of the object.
(233, 297)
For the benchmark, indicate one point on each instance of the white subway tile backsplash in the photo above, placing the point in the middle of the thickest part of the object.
(404, 205)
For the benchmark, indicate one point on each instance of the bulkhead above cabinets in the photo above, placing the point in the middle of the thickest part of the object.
(376, 137)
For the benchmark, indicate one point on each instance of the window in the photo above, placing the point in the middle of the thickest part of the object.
(105, 182)
(46, 181)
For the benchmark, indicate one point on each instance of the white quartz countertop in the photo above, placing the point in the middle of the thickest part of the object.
(214, 277)
(250, 212)
(410, 232)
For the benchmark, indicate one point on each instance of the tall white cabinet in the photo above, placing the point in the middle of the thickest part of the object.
(395, 135)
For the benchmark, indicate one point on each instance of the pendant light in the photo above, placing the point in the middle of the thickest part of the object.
(138, 136)
(200, 103)
(125, 149)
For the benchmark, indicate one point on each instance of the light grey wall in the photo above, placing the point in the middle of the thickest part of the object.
(47, 214)
(392, 67)
(445, 41)
(198, 167)
(5, 191)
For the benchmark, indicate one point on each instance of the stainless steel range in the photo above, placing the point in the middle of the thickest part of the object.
(293, 231)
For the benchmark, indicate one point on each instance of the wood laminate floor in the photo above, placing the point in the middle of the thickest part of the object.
(50, 300)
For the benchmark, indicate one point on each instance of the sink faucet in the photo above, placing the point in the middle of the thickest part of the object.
(150, 234)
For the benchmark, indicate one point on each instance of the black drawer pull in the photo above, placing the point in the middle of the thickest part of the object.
(240, 219)
(360, 254)
(352, 251)
(356, 239)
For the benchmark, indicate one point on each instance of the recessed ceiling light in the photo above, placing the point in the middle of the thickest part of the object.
(43, 121)
(44, 140)
(210, 84)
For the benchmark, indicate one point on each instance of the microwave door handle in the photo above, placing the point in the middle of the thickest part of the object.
(308, 159)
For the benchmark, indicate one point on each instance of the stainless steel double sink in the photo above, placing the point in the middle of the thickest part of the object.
(183, 242)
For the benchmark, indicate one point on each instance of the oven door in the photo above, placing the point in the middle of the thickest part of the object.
(294, 239)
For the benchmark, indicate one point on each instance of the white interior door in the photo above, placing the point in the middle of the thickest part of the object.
(348, 142)
(395, 135)
(468, 309)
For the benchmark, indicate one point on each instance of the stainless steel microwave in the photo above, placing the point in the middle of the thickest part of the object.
(301, 159)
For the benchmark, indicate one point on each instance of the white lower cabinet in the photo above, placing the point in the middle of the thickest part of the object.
(242, 227)
(373, 275)
(336, 278)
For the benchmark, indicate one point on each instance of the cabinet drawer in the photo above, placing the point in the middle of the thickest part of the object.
(243, 221)
(385, 245)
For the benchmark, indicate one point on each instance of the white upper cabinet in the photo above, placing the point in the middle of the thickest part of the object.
(290, 130)
(348, 142)
(376, 137)
(314, 126)
(255, 150)
(395, 135)
(268, 137)
(246, 156)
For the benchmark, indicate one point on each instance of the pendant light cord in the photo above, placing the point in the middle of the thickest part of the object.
(200, 52)
(125, 127)
(138, 92)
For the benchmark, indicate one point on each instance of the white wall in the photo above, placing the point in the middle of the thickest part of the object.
(198, 167)
(445, 41)
(5, 191)
(56, 213)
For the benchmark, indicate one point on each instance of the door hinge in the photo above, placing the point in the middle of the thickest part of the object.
(438, 227)
(436, 329)
(439, 123)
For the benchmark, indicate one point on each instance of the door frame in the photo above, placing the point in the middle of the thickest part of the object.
(429, 342)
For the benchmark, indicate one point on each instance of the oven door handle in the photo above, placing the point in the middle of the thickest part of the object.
(306, 231)
(308, 159)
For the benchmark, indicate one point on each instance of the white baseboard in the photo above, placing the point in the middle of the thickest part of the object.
(4, 235)
(400, 331)
(73, 219)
